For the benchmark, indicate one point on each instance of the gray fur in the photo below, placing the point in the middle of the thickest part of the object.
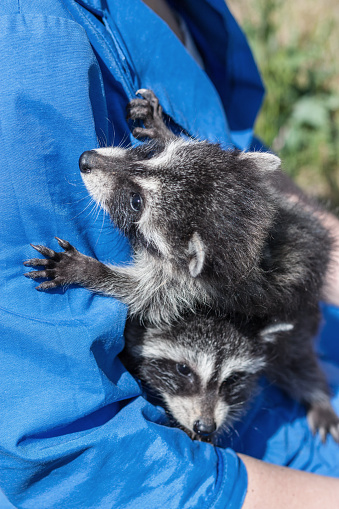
(224, 361)
(212, 231)
(209, 230)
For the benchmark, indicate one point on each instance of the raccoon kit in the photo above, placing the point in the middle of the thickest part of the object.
(207, 227)
(209, 231)
(205, 370)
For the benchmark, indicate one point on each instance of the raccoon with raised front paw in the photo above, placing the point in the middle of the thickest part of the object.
(207, 228)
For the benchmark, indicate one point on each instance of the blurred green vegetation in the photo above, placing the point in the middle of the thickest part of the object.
(300, 115)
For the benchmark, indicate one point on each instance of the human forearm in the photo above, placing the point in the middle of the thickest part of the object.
(331, 286)
(271, 486)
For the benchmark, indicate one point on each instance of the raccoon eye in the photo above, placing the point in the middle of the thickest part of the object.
(135, 202)
(183, 369)
(231, 380)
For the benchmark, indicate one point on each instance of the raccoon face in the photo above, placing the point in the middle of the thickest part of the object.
(145, 196)
(119, 181)
(204, 369)
(178, 197)
(204, 405)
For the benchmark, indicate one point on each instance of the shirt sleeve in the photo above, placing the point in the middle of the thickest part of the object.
(75, 431)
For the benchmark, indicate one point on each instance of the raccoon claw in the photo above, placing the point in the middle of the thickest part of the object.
(140, 133)
(59, 268)
(45, 251)
(66, 245)
(149, 95)
(49, 285)
(38, 262)
(322, 418)
(40, 274)
(149, 111)
(334, 431)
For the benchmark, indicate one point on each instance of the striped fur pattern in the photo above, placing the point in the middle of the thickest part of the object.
(209, 231)
(205, 371)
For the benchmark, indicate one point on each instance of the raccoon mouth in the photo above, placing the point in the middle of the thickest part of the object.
(194, 436)
(209, 439)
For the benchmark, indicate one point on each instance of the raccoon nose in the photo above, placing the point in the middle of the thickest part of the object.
(86, 161)
(204, 427)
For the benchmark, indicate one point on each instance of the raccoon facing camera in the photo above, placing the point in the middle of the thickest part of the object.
(205, 369)
(207, 227)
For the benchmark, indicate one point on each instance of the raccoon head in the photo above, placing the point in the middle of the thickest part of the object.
(204, 370)
(189, 201)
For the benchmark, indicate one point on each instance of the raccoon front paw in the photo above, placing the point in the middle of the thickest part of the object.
(149, 111)
(323, 419)
(61, 268)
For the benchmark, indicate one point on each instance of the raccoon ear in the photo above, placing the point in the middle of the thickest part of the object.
(196, 253)
(269, 333)
(264, 160)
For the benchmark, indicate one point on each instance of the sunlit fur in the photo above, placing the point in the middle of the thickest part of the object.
(224, 362)
(213, 227)
(214, 350)
(213, 232)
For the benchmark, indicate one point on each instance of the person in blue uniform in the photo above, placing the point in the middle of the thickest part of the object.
(75, 430)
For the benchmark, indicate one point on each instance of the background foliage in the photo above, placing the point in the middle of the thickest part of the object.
(296, 43)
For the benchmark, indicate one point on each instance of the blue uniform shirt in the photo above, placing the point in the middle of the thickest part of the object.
(75, 431)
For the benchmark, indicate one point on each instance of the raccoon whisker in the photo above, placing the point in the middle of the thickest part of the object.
(104, 215)
(125, 142)
(224, 429)
(194, 138)
(91, 203)
(236, 432)
(74, 184)
(86, 197)
(101, 140)
(113, 131)
(96, 211)
(92, 206)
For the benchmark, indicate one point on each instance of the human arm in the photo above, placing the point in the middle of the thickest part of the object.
(280, 487)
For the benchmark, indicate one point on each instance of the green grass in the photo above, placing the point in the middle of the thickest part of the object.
(296, 51)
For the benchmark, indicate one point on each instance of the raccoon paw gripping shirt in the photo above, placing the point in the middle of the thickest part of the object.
(75, 429)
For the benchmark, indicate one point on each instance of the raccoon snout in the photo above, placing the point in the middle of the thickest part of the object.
(204, 427)
(86, 161)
